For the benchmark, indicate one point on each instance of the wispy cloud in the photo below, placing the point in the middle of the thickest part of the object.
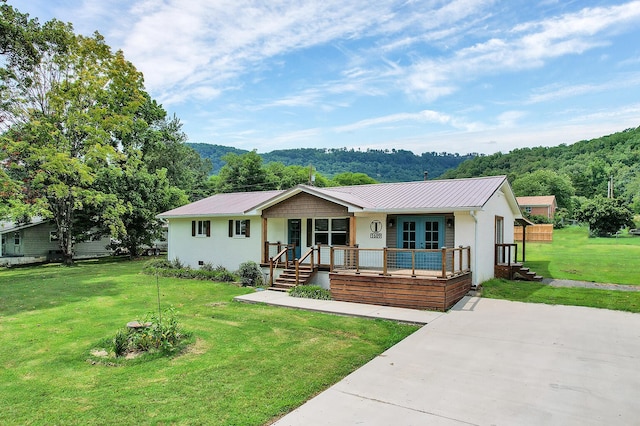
(560, 91)
(528, 45)
(425, 116)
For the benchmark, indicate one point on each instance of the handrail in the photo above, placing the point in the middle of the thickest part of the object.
(308, 254)
(273, 261)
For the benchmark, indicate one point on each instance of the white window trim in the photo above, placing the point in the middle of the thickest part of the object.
(237, 225)
(201, 231)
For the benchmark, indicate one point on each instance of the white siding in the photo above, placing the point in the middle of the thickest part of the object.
(365, 237)
(218, 249)
(484, 252)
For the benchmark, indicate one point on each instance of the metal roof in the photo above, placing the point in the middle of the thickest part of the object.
(421, 195)
(431, 195)
(235, 203)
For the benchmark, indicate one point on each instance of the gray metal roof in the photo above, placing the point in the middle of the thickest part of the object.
(222, 204)
(431, 195)
(422, 195)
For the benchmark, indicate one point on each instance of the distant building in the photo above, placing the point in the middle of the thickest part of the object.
(542, 205)
(37, 242)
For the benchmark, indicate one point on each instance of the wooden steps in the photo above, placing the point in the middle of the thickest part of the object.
(287, 279)
(516, 271)
(525, 274)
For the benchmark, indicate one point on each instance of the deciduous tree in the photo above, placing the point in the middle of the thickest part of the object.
(605, 216)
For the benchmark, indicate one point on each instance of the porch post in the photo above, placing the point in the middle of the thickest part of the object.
(352, 231)
(524, 241)
(265, 252)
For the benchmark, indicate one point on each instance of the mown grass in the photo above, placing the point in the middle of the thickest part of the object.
(573, 255)
(530, 292)
(248, 365)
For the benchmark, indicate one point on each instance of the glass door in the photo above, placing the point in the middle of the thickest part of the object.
(421, 232)
(294, 232)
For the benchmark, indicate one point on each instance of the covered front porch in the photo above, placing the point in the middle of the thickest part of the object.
(411, 278)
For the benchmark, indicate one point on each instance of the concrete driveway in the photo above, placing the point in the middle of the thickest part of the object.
(494, 362)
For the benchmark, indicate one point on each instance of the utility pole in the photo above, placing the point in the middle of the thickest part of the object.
(610, 187)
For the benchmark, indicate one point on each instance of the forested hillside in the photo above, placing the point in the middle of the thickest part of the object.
(384, 166)
(587, 165)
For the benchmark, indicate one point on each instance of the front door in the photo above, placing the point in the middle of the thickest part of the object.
(294, 227)
(421, 232)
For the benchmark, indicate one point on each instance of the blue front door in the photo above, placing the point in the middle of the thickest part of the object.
(294, 227)
(420, 232)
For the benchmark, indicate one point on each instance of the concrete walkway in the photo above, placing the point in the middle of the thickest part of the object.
(487, 362)
(587, 284)
(279, 298)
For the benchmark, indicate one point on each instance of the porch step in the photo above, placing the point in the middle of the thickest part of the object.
(527, 275)
(287, 279)
(516, 271)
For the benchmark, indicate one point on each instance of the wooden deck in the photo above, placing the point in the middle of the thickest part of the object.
(419, 292)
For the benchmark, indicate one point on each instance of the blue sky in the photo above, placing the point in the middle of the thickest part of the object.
(425, 75)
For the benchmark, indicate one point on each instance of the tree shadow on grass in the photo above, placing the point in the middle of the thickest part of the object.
(49, 286)
(540, 268)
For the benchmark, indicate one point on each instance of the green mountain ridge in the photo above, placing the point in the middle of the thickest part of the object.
(590, 165)
(384, 166)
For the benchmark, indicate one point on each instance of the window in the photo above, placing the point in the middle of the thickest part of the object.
(431, 235)
(16, 238)
(528, 209)
(409, 235)
(200, 228)
(331, 231)
(239, 228)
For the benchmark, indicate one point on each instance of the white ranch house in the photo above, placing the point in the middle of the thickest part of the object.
(366, 243)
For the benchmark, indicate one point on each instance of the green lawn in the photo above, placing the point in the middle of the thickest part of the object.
(248, 365)
(573, 255)
(525, 291)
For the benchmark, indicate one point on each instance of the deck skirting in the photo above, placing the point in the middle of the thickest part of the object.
(404, 292)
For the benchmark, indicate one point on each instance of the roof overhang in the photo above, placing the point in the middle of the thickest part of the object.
(22, 226)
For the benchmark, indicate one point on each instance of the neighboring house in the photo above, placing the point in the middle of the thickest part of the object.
(544, 205)
(37, 241)
(440, 236)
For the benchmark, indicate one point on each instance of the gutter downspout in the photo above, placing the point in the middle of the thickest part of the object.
(475, 249)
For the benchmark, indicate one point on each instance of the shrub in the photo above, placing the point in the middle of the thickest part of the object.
(163, 335)
(176, 264)
(158, 264)
(165, 268)
(310, 292)
(207, 267)
(250, 274)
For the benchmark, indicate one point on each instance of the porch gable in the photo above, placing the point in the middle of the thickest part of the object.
(305, 205)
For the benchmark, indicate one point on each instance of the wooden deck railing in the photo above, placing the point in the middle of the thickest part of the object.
(442, 263)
